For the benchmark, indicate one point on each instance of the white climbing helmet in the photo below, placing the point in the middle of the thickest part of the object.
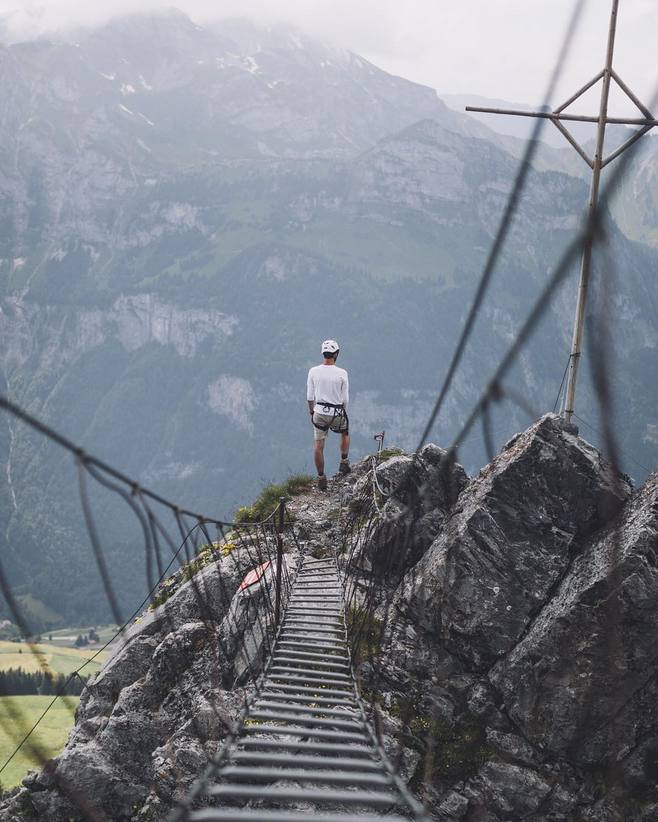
(329, 347)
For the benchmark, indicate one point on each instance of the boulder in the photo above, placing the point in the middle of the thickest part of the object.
(509, 540)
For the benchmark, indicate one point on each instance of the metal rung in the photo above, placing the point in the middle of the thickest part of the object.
(313, 660)
(303, 709)
(298, 625)
(317, 606)
(321, 675)
(262, 815)
(336, 591)
(318, 733)
(307, 681)
(291, 643)
(308, 721)
(313, 640)
(327, 625)
(319, 574)
(314, 604)
(298, 634)
(313, 587)
(330, 609)
(326, 621)
(303, 689)
(289, 626)
(309, 655)
(332, 796)
(330, 748)
(256, 774)
(317, 603)
(328, 666)
(315, 619)
(315, 610)
(309, 700)
(312, 761)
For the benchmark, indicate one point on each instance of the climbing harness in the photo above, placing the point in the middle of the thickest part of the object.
(337, 412)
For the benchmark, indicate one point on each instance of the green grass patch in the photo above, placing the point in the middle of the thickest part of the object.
(50, 736)
(269, 497)
(387, 453)
(59, 660)
(459, 749)
(210, 552)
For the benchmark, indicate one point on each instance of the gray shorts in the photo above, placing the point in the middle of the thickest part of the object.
(336, 423)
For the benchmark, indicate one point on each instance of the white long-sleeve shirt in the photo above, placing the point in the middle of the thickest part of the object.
(327, 383)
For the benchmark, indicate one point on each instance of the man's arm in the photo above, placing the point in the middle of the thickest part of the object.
(310, 393)
(346, 391)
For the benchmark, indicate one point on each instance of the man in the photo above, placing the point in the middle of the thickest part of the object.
(327, 392)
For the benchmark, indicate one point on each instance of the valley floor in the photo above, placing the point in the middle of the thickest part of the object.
(53, 732)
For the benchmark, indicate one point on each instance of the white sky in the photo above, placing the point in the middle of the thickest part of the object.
(496, 48)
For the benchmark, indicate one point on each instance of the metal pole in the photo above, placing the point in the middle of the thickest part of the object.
(279, 559)
(585, 266)
(571, 118)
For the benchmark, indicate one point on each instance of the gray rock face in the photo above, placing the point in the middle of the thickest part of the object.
(415, 495)
(524, 653)
(598, 636)
(509, 539)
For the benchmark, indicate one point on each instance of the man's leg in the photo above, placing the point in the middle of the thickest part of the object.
(318, 455)
(344, 446)
(344, 467)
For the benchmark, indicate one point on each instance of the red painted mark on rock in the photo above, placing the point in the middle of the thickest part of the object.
(254, 575)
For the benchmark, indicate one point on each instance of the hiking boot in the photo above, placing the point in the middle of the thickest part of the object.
(322, 482)
(344, 467)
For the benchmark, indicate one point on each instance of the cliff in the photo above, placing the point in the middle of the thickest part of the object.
(511, 645)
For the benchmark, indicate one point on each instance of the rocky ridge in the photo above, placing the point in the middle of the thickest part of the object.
(511, 647)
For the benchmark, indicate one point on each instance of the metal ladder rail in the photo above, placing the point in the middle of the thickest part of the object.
(315, 657)
(416, 809)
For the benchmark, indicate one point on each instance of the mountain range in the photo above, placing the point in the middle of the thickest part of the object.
(186, 212)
